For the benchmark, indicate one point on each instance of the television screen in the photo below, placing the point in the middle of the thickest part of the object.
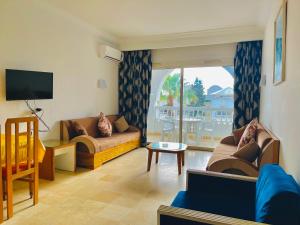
(28, 85)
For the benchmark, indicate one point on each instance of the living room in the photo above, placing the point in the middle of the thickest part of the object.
(206, 44)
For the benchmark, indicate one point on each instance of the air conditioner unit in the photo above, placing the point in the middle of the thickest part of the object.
(110, 53)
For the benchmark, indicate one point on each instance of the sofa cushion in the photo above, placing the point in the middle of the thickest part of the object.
(79, 129)
(225, 149)
(116, 139)
(263, 137)
(112, 119)
(104, 126)
(90, 124)
(121, 124)
(218, 204)
(237, 134)
(277, 197)
(248, 152)
(249, 133)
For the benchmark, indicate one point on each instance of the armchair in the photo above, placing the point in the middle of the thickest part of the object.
(215, 198)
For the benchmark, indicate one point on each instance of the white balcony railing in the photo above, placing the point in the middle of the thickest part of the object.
(201, 125)
(203, 113)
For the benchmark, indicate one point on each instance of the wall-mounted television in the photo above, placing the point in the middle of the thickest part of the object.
(28, 85)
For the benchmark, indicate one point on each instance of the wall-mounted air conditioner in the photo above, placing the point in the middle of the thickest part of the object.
(110, 53)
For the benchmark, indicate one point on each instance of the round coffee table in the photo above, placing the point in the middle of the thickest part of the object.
(166, 147)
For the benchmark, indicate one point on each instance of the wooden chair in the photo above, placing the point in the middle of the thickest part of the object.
(1, 189)
(24, 169)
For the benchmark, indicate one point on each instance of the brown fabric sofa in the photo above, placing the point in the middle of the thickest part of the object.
(223, 161)
(93, 150)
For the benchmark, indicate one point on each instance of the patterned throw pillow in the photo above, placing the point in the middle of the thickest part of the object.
(249, 133)
(104, 126)
(237, 134)
(79, 129)
(121, 124)
(248, 152)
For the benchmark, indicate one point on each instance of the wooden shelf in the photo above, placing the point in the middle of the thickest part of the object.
(59, 155)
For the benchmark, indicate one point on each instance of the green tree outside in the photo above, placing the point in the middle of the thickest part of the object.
(199, 92)
(171, 87)
(193, 93)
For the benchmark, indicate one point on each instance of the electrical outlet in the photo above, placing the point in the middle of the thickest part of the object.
(263, 80)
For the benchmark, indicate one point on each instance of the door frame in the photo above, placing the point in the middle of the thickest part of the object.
(180, 138)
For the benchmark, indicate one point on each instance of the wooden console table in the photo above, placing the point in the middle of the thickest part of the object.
(60, 155)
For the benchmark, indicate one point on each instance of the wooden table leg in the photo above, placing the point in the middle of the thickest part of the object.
(156, 158)
(150, 153)
(182, 158)
(2, 192)
(179, 162)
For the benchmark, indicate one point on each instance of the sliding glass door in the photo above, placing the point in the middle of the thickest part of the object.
(207, 105)
(191, 105)
(164, 111)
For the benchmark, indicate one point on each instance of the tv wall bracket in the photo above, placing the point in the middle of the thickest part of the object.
(34, 111)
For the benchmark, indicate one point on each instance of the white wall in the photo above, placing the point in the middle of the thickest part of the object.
(196, 38)
(209, 55)
(280, 105)
(35, 36)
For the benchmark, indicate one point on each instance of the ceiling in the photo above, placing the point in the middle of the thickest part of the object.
(142, 18)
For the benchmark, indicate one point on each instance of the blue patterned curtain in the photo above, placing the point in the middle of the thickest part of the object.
(247, 74)
(134, 89)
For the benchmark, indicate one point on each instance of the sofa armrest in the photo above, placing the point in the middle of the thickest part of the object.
(212, 183)
(229, 140)
(88, 141)
(233, 165)
(170, 215)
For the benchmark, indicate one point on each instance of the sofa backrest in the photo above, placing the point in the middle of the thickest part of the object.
(89, 123)
(277, 197)
(269, 146)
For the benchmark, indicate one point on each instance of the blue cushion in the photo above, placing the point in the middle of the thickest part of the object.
(231, 206)
(277, 197)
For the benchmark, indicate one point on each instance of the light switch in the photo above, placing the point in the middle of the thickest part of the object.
(263, 80)
(102, 84)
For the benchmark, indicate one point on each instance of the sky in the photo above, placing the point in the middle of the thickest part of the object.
(209, 76)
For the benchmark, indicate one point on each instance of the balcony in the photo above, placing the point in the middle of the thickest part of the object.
(206, 100)
(201, 126)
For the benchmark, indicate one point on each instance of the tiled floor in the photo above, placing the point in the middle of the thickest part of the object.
(119, 192)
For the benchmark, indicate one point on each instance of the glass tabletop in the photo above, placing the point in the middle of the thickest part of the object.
(168, 146)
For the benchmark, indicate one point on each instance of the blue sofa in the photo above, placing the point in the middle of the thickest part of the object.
(217, 198)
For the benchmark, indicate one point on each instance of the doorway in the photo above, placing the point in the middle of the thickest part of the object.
(191, 105)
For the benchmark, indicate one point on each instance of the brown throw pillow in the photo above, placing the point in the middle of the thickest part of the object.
(237, 134)
(249, 133)
(79, 129)
(248, 152)
(104, 126)
(121, 124)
